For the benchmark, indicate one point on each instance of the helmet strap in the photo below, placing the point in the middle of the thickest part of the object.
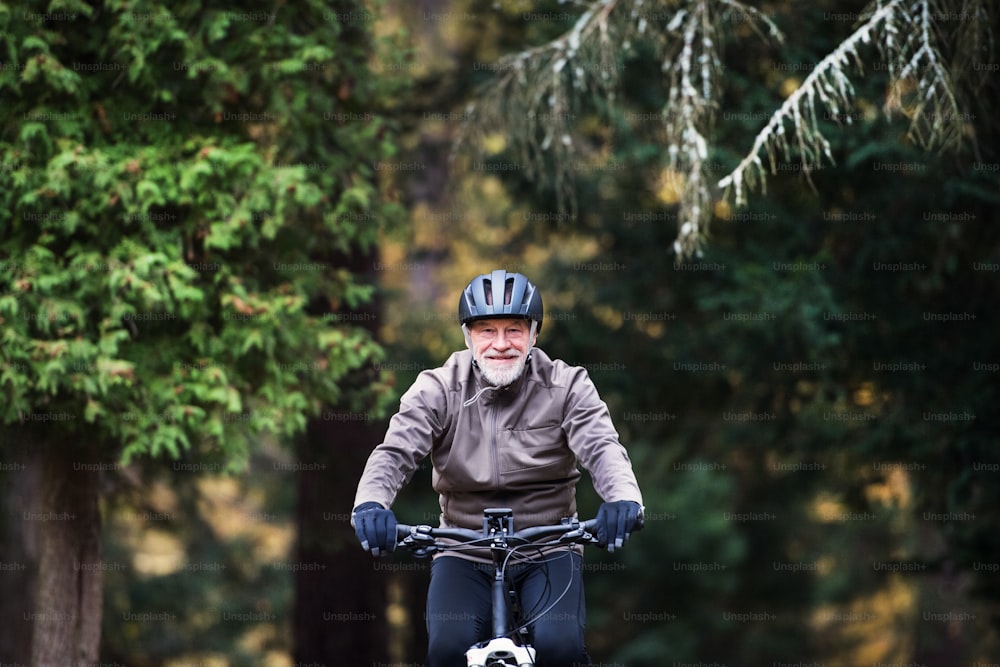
(468, 338)
(531, 339)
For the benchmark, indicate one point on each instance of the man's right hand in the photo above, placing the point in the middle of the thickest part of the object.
(375, 527)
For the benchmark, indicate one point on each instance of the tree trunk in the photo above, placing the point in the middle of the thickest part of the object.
(340, 596)
(340, 603)
(67, 616)
(18, 546)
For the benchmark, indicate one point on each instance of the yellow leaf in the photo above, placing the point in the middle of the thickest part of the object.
(789, 86)
(495, 143)
(722, 209)
(671, 184)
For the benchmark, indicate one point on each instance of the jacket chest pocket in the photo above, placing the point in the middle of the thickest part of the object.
(529, 449)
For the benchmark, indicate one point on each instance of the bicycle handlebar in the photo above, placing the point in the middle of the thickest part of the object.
(423, 539)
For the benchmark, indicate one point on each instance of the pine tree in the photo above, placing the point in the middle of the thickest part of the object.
(170, 175)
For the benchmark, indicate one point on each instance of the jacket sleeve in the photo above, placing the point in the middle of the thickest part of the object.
(412, 432)
(593, 439)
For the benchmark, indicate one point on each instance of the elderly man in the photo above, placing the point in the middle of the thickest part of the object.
(505, 425)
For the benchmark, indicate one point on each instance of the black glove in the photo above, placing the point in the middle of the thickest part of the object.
(375, 527)
(615, 522)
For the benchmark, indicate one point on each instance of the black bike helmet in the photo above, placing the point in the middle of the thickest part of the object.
(500, 294)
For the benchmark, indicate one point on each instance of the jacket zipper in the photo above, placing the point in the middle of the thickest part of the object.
(493, 446)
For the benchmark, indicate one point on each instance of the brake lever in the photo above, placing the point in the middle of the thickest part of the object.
(419, 537)
(417, 542)
(579, 535)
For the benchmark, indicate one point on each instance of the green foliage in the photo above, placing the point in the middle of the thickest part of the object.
(176, 189)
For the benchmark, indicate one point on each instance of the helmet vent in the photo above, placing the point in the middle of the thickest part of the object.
(507, 292)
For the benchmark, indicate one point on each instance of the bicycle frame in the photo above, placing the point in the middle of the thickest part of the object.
(498, 532)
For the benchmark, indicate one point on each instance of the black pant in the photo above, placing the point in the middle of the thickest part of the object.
(459, 608)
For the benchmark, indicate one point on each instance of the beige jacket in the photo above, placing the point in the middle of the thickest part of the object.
(518, 446)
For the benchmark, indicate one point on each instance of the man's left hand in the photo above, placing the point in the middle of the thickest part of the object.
(615, 521)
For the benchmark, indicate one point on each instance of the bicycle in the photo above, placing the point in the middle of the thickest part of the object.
(509, 644)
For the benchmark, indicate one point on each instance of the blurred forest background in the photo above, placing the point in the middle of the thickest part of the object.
(806, 402)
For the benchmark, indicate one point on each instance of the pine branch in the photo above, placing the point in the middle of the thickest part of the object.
(694, 72)
(934, 112)
(534, 98)
(827, 84)
(687, 115)
(907, 37)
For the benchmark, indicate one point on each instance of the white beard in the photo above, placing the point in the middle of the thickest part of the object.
(501, 375)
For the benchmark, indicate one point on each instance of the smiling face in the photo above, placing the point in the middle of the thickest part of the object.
(500, 347)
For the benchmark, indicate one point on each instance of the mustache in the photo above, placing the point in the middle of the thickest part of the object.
(498, 355)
